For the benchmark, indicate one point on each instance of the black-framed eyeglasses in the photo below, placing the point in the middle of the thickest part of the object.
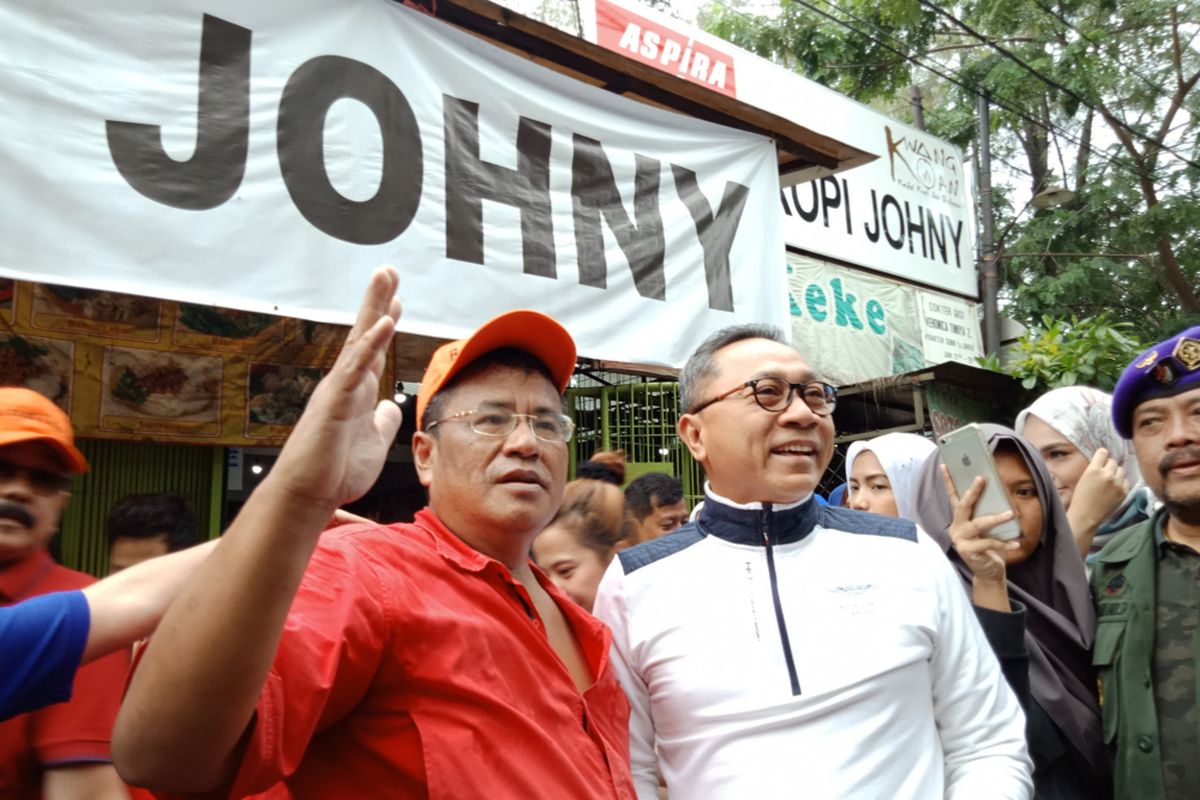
(548, 427)
(43, 481)
(775, 395)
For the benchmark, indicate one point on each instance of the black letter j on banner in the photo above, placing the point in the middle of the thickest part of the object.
(214, 172)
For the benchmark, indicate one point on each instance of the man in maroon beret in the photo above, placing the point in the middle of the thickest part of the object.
(1147, 582)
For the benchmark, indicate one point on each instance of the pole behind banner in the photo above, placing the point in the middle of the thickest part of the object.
(918, 109)
(987, 255)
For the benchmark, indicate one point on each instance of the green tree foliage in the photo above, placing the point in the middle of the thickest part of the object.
(1059, 352)
(1112, 113)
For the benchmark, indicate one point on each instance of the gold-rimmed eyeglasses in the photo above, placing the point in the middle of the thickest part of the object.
(548, 427)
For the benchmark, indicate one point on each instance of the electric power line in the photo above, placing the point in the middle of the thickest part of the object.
(1060, 18)
(1054, 84)
(975, 89)
(956, 79)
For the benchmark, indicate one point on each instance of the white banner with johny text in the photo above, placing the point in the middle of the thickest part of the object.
(267, 156)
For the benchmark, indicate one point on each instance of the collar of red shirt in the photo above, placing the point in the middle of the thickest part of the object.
(449, 546)
(459, 553)
(18, 578)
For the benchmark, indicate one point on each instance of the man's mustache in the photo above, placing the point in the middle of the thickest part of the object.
(1170, 460)
(17, 512)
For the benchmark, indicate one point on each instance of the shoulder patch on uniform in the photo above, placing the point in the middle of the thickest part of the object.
(851, 521)
(647, 553)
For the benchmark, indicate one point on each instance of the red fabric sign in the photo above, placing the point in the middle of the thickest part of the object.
(671, 51)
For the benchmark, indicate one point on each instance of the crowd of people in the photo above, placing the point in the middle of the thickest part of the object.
(528, 637)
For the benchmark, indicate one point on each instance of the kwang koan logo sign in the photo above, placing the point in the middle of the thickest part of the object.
(919, 167)
(907, 214)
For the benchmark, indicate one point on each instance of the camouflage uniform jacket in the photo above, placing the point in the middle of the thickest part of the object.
(1123, 587)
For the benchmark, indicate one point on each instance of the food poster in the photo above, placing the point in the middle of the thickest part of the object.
(129, 367)
(65, 309)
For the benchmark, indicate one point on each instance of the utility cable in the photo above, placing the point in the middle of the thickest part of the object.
(1054, 84)
(1161, 90)
(974, 89)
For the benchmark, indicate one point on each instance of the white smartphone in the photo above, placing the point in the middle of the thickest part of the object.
(966, 455)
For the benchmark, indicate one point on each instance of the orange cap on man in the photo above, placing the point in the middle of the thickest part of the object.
(26, 416)
(535, 333)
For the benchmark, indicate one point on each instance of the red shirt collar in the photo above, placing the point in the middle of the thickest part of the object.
(18, 578)
(449, 546)
(458, 552)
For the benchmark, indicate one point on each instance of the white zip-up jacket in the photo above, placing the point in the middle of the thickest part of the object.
(808, 652)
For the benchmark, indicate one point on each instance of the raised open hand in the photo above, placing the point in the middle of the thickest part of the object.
(1100, 491)
(1102, 487)
(338, 446)
(982, 555)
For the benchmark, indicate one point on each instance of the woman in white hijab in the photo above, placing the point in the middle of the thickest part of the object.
(1094, 470)
(881, 473)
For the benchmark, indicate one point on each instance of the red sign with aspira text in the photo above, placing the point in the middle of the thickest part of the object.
(644, 40)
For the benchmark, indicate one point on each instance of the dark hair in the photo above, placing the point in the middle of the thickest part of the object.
(700, 366)
(646, 492)
(510, 357)
(594, 513)
(607, 466)
(1009, 445)
(147, 516)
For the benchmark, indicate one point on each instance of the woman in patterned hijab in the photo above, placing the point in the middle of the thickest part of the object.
(1094, 470)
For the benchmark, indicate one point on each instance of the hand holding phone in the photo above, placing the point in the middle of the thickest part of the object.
(966, 456)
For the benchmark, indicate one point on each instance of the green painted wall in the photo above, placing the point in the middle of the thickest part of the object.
(124, 468)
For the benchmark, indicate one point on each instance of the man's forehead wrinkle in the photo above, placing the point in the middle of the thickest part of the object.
(1153, 406)
(510, 404)
(499, 385)
(796, 370)
(507, 404)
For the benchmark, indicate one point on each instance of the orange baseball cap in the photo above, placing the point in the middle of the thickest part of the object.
(535, 333)
(26, 416)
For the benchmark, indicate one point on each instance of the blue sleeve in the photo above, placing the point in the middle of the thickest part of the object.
(41, 645)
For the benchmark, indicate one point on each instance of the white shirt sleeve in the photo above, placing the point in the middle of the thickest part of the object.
(980, 722)
(612, 608)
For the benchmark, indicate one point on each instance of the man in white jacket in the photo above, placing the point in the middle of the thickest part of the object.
(778, 648)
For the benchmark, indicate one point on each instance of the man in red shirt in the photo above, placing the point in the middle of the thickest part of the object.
(61, 751)
(413, 660)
